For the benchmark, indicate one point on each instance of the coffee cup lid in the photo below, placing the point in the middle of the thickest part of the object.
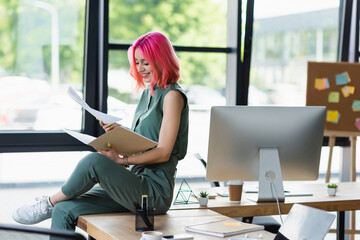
(152, 233)
(235, 182)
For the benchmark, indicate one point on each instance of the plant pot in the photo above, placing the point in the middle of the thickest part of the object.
(331, 191)
(203, 201)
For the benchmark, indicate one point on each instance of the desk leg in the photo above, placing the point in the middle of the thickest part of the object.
(331, 148)
(340, 229)
(352, 178)
(353, 158)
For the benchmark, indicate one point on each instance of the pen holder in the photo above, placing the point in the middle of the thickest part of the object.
(144, 220)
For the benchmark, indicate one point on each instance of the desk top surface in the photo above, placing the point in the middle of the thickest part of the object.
(347, 198)
(116, 226)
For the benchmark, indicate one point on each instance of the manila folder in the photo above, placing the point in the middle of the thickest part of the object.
(125, 141)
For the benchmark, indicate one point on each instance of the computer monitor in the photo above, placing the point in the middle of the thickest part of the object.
(265, 144)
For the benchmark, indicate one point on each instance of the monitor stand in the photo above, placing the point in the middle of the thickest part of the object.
(270, 178)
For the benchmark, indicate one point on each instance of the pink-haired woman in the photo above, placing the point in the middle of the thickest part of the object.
(103, 182)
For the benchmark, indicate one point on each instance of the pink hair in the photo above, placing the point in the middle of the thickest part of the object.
(159, 53)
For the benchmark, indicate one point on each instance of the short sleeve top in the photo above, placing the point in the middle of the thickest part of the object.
(149, 113)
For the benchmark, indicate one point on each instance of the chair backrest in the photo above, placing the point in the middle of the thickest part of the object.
(10, 231)
(305, 222)
(197, 155)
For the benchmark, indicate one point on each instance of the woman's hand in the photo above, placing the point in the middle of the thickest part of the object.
(110, 126)
(113, 155)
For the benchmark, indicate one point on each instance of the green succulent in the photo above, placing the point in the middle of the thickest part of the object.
(203, 194)
(332, 185)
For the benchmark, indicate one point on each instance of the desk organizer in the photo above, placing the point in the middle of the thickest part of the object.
(144, 220)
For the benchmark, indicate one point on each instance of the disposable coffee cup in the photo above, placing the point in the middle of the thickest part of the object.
(151, 235)
(235, 190)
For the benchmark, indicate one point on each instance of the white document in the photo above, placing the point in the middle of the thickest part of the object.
(84, 138)
(106, 118)
(305, 223)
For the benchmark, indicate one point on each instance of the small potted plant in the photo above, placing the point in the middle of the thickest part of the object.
(331, 189)
(203, 198)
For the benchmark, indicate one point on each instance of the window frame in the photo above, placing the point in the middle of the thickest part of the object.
(97, 47)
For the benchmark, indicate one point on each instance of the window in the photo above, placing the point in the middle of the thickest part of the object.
(41, 54)
(199, 35)
(284, 40)
(91, 49)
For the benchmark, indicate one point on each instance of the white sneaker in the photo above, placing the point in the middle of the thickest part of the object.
(35, 212)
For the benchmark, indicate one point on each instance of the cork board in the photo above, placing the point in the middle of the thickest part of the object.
(342, 104)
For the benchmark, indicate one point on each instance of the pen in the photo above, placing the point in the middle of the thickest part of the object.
(144, 202)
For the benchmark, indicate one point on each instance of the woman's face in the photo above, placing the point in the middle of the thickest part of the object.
(143, 67)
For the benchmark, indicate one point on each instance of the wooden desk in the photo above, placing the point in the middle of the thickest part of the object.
(122, 225)
(116, 226)
(346, 199)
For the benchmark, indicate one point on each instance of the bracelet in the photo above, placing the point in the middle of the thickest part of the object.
(126, 162)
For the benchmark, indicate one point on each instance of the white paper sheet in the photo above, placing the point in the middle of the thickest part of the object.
(106, 118)
(84, 138)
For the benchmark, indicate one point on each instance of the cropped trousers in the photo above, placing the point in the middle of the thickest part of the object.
(99, 185)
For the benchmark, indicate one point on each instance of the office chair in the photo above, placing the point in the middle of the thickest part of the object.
(13, 232)
(269, 223)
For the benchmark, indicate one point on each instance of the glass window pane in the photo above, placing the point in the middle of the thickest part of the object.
(41, 54)
(185, 22)
(288, 34)
(203, 79)
(122, 99)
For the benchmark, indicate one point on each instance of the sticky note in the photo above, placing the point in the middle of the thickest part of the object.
(321, 83)
(232, 224)
(352, 89)
(342, 78)
(345, 91)
(357, 123)
(334, 97)
(333, 116)
(348, 90)
(356, 105)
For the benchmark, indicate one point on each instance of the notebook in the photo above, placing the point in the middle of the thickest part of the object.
(223, 228)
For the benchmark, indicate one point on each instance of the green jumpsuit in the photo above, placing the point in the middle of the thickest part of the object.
(99, 185)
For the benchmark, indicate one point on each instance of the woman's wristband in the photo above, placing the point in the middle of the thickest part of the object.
(126, 162)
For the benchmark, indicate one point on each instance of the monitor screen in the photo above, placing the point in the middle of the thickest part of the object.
(286, 140)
